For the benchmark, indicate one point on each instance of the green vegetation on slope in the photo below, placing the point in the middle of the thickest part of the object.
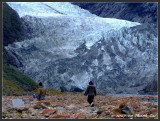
(13, 80)
(16, 82)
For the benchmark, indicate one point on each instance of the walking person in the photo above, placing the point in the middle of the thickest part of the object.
(41, 92)
(91, 92)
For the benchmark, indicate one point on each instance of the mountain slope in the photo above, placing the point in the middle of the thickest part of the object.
(138, 12)
(67, 51)
(150, 88)
(15, 81)
(12, 26)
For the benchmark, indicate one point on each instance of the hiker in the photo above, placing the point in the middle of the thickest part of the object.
(41, 92)
(91, 92)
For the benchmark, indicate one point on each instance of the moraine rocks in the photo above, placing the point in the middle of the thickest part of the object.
(77, 108)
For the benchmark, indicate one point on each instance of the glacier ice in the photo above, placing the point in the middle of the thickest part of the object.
(116, 52)
(79, 25)
(46, 9)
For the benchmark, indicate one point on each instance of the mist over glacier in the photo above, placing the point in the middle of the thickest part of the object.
(65, 47)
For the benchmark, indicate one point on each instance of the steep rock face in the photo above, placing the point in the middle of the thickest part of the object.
(67, 51)
(138, 12)
(151, 88)
(13, 30)
(12, 26)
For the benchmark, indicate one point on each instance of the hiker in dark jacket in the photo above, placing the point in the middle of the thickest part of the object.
(91, 92)
(41, 92)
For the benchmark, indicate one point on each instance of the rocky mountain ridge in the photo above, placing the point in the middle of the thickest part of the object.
(143, 12)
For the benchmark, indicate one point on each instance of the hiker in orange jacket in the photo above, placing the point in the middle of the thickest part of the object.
(91, 92)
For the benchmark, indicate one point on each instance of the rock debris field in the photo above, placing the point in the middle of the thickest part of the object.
(75, 106)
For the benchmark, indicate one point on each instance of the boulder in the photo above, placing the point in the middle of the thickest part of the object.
(48, 111)
(125, 108)
(44, 102)
(21, 109)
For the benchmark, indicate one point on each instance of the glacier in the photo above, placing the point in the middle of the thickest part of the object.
(66, 47)
(73, 26)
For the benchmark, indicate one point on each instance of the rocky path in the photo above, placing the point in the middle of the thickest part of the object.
(75, 106)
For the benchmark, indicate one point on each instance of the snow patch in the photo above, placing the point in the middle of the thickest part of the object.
(46, 9)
